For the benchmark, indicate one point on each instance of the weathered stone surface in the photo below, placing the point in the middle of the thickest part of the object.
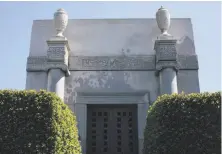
(165, 50)
(112, 63)
(56, 82)
(146, 63)
(112, 68)
(107, 37)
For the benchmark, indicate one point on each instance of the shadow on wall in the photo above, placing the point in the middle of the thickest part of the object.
(185, 43)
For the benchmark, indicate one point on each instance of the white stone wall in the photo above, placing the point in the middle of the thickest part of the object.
(137, 87)
(188, 81)
(112, 37)
(110, 81)
(36, 80)
(96, 37)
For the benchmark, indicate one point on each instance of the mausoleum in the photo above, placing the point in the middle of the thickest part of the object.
(109, 71)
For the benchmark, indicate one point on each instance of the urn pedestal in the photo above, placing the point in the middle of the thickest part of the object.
(57, 55)
(166, 65)
(56, 82)
(168, 81)
(166, 55)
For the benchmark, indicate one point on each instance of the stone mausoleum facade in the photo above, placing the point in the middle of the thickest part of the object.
(109, 71)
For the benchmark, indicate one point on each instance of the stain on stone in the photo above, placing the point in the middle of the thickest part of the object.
(69, 90)
(108, 80)
(70, 100)
(185, 46)
(70, 85)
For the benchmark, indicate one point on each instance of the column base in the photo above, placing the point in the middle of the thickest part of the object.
(56, 82)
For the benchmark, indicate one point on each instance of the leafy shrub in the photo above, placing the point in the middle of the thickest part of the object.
(184, 124)
(36, 122)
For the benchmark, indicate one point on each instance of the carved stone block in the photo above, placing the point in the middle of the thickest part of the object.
(167, 64)
(111, 63)
(165, 50)
(188, 62)
(57, 54)
(166, 54)
(37, 63)
(94, 63)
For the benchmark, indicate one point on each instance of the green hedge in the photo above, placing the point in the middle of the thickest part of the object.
(184, 124)
(36, 122)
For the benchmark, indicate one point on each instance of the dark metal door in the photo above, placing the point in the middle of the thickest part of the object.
(112, 129)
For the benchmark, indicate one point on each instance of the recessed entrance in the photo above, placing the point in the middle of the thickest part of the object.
(112, 129)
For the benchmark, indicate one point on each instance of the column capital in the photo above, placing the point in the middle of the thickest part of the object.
(166, 54)
(58, 54)
(59, 41)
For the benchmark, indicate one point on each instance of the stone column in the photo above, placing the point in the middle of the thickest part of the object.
(56, 82)
(168, 81)
(166, 65)
(166, 55)
(57, 57)
(142, 114)
(81, 115)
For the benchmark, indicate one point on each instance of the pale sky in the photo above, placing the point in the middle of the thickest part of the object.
(17, 17)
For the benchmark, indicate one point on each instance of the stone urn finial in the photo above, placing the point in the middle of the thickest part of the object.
(60, 22)
(163, 20)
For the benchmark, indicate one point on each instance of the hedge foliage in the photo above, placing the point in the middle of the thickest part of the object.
(36, 122)
(184, 124)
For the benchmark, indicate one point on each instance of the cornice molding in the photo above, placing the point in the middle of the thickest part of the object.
(168, 57)
(57, 56)
(98, 97)
(112, 63)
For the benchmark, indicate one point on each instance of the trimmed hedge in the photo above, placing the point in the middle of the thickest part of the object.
(184, 124)
(36, 122)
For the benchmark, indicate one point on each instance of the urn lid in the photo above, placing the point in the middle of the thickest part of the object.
(60, 10)
(161, 8)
